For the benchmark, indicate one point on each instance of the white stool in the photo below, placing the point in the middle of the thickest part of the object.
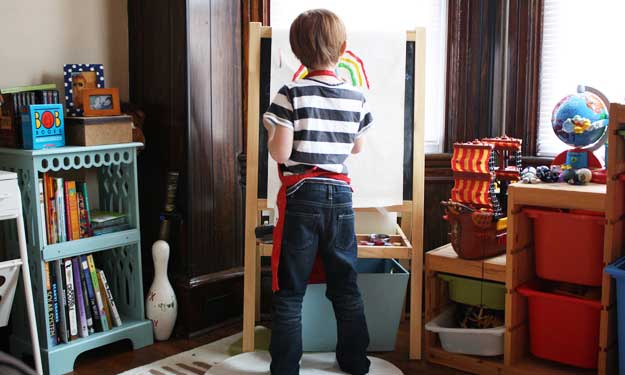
(11, 208)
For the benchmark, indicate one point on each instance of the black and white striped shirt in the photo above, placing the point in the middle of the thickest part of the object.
(326, 118)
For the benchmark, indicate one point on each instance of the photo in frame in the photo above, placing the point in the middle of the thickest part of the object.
(78, 77)
(100, 102)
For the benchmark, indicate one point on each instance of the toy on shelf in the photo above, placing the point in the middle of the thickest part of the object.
(580, 120)
(482, 169)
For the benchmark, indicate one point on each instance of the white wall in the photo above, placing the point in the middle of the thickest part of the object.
(39, 36)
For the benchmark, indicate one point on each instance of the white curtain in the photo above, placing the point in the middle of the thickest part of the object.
(582, 44)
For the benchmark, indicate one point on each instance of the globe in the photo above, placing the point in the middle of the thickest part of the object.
(580, 119)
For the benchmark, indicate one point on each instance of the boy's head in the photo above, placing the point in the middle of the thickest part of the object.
(318, 38)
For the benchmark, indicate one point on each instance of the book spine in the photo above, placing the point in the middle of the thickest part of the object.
(60, 210)
(73, 211)
(50, 208)
(51, 325)
(95, 312)
(42, 209)
(85, 296)
(55, 301)
(84, 228)
(71, 299)
(98, 294)
(83, 330)
(68, 217)
(117, 320)
(62, 305)
(105, 300)
(85, 194)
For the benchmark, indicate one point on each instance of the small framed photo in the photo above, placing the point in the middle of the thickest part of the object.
(78, 77)
(100, 102)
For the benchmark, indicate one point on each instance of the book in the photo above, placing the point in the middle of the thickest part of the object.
(82, 216)
(60, 209)
(95, 312)
(42, 209)
(85, 296)
(68, 224)
(60, 272)
(55, 301)
(117, 320)
(83, 329)
(50, 203)
(101, 219)
(71, 299)
(105, 300)
(110, 229)
(50, 300)
(73, 226)
(98, 294)
(20, 89)
(85, 193)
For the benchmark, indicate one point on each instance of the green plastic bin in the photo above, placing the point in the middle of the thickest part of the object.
(475, 292)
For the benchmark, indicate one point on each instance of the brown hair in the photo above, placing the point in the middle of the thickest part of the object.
(316, 38)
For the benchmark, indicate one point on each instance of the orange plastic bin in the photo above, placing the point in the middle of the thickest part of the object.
(562, 328)
(568, 246)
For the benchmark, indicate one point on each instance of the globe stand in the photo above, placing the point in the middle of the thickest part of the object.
(578, 158)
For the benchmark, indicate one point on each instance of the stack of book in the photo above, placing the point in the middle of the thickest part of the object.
(67, 213)
(13, 102)
(103, 222)
(80, 302)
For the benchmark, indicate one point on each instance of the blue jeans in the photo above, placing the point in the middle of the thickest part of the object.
(319, 220)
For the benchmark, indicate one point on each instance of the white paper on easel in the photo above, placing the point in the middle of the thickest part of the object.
(377, 172)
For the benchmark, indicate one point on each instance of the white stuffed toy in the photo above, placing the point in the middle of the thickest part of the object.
(528, 176)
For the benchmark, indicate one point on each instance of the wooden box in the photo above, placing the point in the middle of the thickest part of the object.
(92, 131)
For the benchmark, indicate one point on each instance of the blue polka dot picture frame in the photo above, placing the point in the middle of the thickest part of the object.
(77, 77)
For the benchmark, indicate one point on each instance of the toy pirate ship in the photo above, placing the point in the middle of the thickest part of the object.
(482, 170)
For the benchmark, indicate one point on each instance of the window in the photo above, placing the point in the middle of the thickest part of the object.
(582, 44)
(358, 14)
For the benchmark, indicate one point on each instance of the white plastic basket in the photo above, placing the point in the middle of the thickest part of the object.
(9, 273)
(472, 341)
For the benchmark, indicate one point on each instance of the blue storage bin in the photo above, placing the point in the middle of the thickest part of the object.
(617, 270)
(382, 283)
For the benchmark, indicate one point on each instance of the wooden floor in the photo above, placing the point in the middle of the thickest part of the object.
(120, 357)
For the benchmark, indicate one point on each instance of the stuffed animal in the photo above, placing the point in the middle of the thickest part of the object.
(528, 176)
(548, 174)
(580, 176)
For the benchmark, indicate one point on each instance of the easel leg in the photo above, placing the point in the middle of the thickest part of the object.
(416, 291)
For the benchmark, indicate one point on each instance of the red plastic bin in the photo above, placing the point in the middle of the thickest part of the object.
(568, 246)
(562, 328)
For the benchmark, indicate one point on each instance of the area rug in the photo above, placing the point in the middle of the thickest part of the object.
(197, 361)
(257, 363)
(224, 357)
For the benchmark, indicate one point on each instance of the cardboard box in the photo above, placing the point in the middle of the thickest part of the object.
(92, 131)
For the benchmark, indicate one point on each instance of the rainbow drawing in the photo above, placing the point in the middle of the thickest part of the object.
(350, 64)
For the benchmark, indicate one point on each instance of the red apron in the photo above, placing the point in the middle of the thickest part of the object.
(288, 181)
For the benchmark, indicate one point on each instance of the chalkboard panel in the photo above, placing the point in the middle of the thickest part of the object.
(265, 75)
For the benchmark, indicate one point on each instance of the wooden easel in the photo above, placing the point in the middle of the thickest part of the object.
(411, 210)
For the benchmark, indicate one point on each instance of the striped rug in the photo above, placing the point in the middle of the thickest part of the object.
(199, 360)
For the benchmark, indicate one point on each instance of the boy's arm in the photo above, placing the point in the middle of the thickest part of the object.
(366, 120)
(280, 142)
(278, 120)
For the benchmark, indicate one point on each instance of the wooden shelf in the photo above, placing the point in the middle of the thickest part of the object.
(445, 259)
(375, 252)
(533, 365)
(474, 364)
(90, 245)
(560, 195)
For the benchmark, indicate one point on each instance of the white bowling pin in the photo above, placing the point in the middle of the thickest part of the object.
(161, 305)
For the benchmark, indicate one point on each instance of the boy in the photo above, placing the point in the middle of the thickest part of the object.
(313, 125)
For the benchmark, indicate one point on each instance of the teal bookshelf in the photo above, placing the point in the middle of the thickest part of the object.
(118, 254)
